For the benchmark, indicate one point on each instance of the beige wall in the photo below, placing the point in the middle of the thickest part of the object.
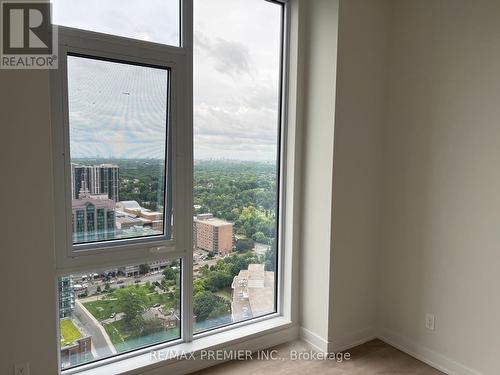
(441, 202)
(27, 307)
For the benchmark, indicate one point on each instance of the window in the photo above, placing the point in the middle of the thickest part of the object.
(167, 178)
(237, 81)
(117, 310)
(118, 132)
(155, 21)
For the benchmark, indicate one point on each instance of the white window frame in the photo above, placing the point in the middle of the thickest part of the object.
(104, 46)
(264, 331)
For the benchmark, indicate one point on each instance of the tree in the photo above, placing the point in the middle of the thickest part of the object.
(218, 280)
(208, 305)
(259, 237)
(244, 245)
(98, 289)
(170, 274)
(132, 301)
(107, 287)
(144, 269)
(199, 285)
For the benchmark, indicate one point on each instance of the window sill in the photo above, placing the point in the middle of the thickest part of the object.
(183, 358)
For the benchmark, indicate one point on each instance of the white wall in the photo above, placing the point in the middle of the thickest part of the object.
(441, 202)
(318, 96)
(359, 120)
(343, 122)
(27, 305)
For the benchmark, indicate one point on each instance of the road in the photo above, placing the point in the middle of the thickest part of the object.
(100, 339)
(123, 281)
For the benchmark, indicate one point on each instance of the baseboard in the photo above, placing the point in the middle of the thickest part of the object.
(316, 341)
(340, 344)
(352, 339)
(432, 358)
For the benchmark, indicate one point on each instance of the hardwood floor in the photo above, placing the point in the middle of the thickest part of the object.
(372, 358)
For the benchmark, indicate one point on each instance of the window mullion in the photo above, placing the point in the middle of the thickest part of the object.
(187, 44)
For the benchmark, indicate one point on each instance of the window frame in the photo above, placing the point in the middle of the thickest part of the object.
(119, 49)
(180, 59)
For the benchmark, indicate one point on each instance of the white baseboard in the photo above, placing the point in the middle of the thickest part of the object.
(352, 339)
(316, 341)
(339, 344)
(432, 358)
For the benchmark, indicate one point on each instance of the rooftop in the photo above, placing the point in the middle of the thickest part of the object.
(69, 332)
(253, 293)
(131, 205)
(213, 221)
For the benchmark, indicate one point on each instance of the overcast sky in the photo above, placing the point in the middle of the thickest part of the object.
(118, 110)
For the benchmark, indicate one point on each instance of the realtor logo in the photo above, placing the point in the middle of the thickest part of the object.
(28, 38)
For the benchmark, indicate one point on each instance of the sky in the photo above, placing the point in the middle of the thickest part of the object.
(117, 110)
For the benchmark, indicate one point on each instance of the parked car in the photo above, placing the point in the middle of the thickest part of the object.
(137, 281)
(112, 316)
(120, 282)
(156, 305)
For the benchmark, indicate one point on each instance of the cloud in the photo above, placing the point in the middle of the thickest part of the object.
(236, 100)
(229, 57)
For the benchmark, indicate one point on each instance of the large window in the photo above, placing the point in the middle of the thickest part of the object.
(167, 176)
(237, 82)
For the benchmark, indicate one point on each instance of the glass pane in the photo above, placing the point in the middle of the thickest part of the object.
(152, 20)
(236, 136)
(118, 132)
(104, 313)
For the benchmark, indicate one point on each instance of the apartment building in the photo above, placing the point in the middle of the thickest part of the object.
(99, 179)
(212, 234)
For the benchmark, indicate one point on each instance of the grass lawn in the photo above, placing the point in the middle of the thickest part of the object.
(116, 332)
(163, 299)
(102, 309)
(69, 332)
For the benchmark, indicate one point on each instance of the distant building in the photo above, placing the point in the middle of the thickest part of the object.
(93, 217)
(158, 265)
(154, 266)
(168, 321)
(66, 297)
(76, 350)
(253, 293)
(129, 271)
(130, 214)
(99, 179)
(212, 234)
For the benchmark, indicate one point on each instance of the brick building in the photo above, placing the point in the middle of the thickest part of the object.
(212, 234)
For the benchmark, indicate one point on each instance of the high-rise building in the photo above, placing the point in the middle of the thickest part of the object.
(212, 234)
(99, 179)
(66, 297)
(93, 217)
